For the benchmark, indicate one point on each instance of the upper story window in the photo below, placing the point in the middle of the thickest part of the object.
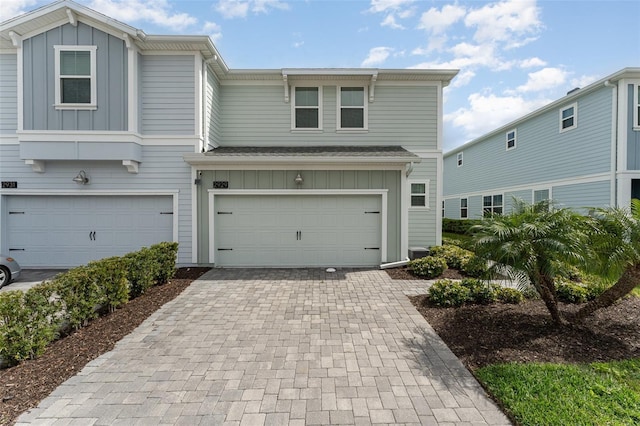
(459, 159)
(636, 110)
(464, 211)
(511, 139)
(75, 68)
(307, 108)
(352, 108)
(569, 118)
(492, 204)
(420, 194)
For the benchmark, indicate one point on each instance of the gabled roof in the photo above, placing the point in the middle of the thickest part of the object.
(630, 72)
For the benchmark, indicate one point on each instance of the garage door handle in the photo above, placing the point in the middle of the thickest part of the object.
(371, 212)
(372, 248)
(16, 249)
(223, 249)
(92, 235)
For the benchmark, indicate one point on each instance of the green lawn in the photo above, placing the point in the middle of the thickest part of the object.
(554, 394)
(463, 238)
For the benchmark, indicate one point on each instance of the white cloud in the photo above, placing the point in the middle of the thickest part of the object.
(437, 21)
(12, 8)
(488, 112)
(544, 79)
(378, 6)
(155, 11)
(532, 63)
(505, 21)
(214, 30)
(263, 6)
(463, 78)
(583, 80)
(377, 56)
(390, 21)
(240, 8)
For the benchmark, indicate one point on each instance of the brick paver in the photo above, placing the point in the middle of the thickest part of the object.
(277, 347)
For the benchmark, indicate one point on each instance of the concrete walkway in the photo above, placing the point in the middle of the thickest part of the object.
(277, 347)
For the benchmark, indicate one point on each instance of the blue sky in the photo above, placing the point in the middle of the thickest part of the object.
(513, 56)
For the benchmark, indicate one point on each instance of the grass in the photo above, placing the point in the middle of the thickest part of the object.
(555, 394)
(464, 239)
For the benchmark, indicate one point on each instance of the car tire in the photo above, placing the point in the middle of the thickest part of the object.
(5, 276)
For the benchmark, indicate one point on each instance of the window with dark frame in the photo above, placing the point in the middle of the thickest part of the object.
(491, 204)
(568, 118)
(459, 159)
(463, 208)
(511, 140)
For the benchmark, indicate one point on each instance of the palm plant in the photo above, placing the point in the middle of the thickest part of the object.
(533, 240)
(614, 239)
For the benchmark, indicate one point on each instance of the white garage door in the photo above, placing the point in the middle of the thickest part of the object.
(64, 231)
(297, 230)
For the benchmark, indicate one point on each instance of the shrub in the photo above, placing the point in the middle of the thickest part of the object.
(111, 278)
(480, 292)
(570, 292)
(458, 226)
(80, 295)
(428, 267)
(453, 255)
(29, 321)
(165, 254)
(509, 295)
(142, 270)
(475, 267)
(448, 293)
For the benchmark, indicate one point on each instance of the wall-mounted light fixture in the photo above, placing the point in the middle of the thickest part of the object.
(81, 178)
(298, 180)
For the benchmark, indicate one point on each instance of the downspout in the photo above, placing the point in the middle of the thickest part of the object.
(613, 201)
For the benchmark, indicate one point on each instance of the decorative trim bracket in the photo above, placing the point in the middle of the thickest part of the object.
(372, 86)
(36, 165)
(16, 39)
(73, 20)
(286, 88)
(131, 165)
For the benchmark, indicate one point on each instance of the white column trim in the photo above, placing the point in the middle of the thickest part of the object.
(404, 217)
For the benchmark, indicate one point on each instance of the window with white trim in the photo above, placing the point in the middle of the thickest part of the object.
(464, 211)
(420, 194)
(569, 118)
(352, 108)
(492, 204)
(306, 110)
(459, 159)
(540, 195)
(75, 75)
(636, 110)
(511, 139)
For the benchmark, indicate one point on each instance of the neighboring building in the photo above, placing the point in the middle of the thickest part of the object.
(581, 151)
(289, 167)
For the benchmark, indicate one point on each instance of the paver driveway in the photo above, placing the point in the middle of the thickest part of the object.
(277, 347)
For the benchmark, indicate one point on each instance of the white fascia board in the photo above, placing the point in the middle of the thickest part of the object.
(110, 137)
(203, 160)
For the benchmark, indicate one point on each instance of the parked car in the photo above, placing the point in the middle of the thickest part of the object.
(9, 270)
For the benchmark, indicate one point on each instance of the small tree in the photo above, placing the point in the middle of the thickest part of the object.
(614, 239)
(533, 240)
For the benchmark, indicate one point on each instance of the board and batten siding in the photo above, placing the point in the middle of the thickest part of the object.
(542, 153)
(213, 110)
(162, 169)
(313, 179)
(8, 93)
(422, 222)
(39, 81)
(168, 93)
(258, 115)
(633, 136)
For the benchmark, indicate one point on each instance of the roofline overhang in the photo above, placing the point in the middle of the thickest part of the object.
(201, 159)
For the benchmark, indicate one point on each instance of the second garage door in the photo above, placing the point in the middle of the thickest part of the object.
(64, 231)
(297, 230)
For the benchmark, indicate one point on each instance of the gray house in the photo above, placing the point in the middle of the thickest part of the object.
(112, 139)
(582, 150)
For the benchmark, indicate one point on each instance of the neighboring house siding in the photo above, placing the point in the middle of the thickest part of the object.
(400, 115)
(422, 221)
(162, 169)
(633, 136)
(39, 81)
(475, 207)
(168, 95)
(584, 195)
(213, 110)
(542, 153)
(313, 179)
(8, 93)
(525, 195)
(452, 208)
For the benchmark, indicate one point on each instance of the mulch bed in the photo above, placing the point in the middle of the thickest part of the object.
(404, 273)
(23, 386)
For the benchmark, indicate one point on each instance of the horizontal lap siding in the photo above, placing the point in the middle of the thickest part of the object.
(8, 94)
(583, 195)
(39, 81)
(162, 168)
(168, 95)
(542, 153)
(422, 222)
(525, 195)
(258, 115)
(452, 208)
(213, 109)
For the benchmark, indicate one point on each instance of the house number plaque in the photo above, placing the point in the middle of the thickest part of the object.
(220, 184)
(9, 184)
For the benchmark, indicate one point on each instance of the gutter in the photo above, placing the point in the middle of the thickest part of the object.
(394, 264)
(613, 198)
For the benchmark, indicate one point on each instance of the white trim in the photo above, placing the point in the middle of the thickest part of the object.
(439, 118)
(493, 206)
(426, 154)
(559, 182)
(314, 192)
(194, 216)
(623, 125)
(173, 193)
(364, 107)
(404, 217)
(132, 86)
(465, 207)
(293, 108)
(101, 136)
(575, 117)
(636, 106)
(411, 83)
(534, 190)
(198, 98)
(515, 139)
(92, 77)
(439, 200)
(427, 184)
(614, 142)
(169, 52)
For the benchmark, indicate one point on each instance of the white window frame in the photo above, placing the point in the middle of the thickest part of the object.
(575, 117)
(493, 206)
(425, 194)
(514, 139)
(459, 159)
(294, 107)
(636, 107)
(58, 77)
(465, 208)
(365, 108)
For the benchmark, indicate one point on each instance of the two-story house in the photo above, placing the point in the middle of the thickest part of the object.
(581, 151)
(112, 139)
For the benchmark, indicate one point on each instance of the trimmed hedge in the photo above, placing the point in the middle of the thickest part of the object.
(30, 320)
(458, 226)
(448, 293)
(428, 267)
